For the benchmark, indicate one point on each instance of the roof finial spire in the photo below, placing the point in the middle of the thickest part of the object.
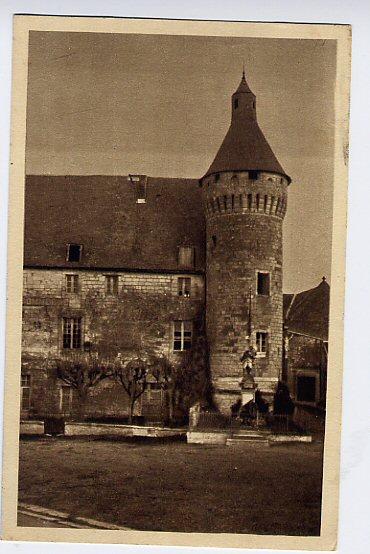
(243, 70)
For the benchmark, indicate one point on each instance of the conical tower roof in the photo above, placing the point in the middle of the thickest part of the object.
(245, 147)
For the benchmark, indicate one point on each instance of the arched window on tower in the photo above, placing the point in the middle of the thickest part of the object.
(236, 103)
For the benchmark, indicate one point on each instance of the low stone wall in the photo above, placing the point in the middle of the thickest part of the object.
(32, 427)
(206, 437)
(102, 429)
(278, 439)
(73, 429)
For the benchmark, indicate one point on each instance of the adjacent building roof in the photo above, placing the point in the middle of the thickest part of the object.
(116, 232)
(245, 146)
(307, 312)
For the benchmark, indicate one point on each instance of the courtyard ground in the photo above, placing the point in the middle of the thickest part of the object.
(249, 488)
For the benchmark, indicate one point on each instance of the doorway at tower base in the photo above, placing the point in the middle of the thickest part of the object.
(227, 391)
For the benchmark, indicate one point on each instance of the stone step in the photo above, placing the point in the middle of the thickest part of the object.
(240, 439)
(250, 432)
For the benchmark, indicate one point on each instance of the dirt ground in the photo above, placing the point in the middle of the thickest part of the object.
(254, 488)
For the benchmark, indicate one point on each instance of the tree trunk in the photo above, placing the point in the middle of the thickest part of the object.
(81, 409)
(170, 404)
(131, 413)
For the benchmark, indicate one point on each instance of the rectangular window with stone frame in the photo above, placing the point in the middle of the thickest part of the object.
(261, 343)
(66, 397)
(263, 283)
(72, 283)
(72, 332)
(25, 392)
(182, 335)
(111, 284)
(184, 286)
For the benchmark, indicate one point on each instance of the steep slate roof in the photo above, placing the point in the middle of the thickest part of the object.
(245, 146)
(308, 311)
(101, 213)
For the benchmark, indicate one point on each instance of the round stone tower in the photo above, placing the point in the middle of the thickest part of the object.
(245, 198)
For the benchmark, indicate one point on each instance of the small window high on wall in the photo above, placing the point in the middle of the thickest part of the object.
(186, 257)
(263, 283)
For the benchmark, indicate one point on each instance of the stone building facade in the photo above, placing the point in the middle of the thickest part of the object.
(158, 254)
(140, 312)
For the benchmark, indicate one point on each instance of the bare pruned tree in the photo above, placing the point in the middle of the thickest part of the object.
(132, 374)
(82, 371)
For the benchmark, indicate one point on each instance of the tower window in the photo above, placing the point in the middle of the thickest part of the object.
(186, 257)
(74, 252)
(263, 283)
(250, 199)
(253, 175)
(72, 283)
(261, 343)
(217, 177)
(182, 335)
(214, 240)
(265, 203)
(257, 202)
(72, 332)
(184, 286)
(236, 103)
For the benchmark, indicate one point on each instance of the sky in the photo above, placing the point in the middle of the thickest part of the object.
(160, 105)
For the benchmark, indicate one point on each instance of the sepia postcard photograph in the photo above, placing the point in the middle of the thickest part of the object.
(177, 223)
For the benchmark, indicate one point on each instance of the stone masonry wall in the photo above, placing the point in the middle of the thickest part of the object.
(244, 236)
